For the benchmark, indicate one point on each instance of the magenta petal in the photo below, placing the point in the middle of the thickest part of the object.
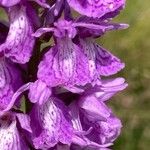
(66, 65)
(106, 132)
(24, 121)
(116, 84)
(8, 3)
(54, 122)
(14, 98)
(10, 81)
(10, 138)
(39, 92)
(41, 31)
(74, 112)
(81, 136)
(19, 42)
(94, 109)
(108, 88)
(106, 63)
(96, 9)
(95, 27)
(110, 129)
(84, 142)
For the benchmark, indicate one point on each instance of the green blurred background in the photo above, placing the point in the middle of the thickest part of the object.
(133, 47)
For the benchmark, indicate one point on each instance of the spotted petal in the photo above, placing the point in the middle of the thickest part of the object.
(54, 124)
(10, 138)
(66, 65)
(19, 43)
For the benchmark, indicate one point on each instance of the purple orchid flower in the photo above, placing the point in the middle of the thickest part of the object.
(12, 127)
(93, 124)
(51, 124)
(96, 8)
(89, 113)
(75, 61)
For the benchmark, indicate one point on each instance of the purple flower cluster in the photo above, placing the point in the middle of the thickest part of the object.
(50, 63)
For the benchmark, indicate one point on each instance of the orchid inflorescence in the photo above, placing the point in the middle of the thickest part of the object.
(54, 77)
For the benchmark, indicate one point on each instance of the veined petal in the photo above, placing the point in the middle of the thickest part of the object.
(8, 3)
(107, 89)
(55, 124)
(66, 65)
(74, 112)
(95, 27)
(96, 9)
(19, 42)
(106, 63)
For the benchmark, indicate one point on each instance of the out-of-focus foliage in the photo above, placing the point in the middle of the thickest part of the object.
(133, 47)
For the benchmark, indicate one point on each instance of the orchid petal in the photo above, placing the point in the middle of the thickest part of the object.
(24, 121)
(10, 81)
(55, 124)
(106, 63)
(94, 109)
(10, 138)
(19, 42)
(39, 92)
(7, 3)
(96, 9)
